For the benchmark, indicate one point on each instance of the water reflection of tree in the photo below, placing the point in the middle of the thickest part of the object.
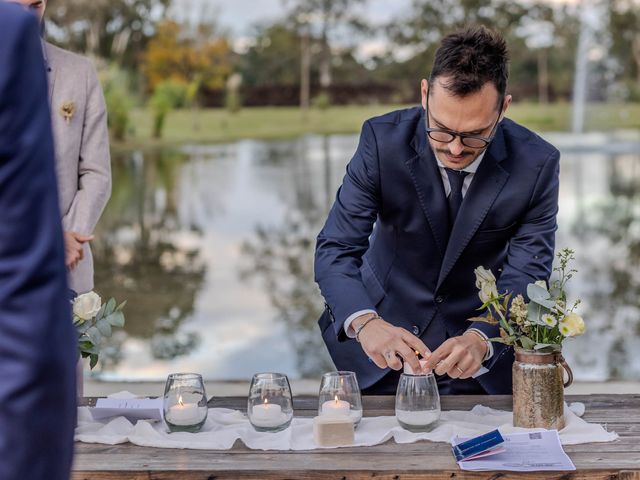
(615, 274)
(141, 256)
(282, 258)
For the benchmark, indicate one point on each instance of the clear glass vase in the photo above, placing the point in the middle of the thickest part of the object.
(185, 402)
(417, 402)
(538, 389)
(270, 403)
(340, 394)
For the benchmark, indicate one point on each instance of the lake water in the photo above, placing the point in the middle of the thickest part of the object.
(212, 246)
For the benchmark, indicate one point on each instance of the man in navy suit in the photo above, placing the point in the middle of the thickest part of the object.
(38, 350)
(431, 193)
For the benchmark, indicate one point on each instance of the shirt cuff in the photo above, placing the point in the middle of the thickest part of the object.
(351, 333)
(489, 353)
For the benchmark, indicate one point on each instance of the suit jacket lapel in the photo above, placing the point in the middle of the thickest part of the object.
(428, 183)
(487, 183)
(51, 72)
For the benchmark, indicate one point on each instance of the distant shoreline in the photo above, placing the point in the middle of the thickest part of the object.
(210, 126)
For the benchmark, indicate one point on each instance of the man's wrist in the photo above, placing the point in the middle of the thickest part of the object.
(366, 320)
(484, 340)
(357, 322)
(348, 327)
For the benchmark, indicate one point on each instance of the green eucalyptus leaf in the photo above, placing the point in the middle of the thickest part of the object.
(116, 319)
(104, 327)
(535, 312)
(100, 313)
(111, 306)
(94, 334)
(121, 306)
(539, 295)
(83, 328)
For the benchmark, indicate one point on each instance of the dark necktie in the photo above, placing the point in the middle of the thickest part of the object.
(456, 179)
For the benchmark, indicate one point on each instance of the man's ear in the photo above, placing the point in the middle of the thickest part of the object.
(505, 105)
(424, 91)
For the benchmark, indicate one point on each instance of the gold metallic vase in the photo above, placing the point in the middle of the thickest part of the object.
(538, 389)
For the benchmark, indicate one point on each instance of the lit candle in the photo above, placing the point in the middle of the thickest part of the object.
(183, 413)
(336, 408)
(267, 415)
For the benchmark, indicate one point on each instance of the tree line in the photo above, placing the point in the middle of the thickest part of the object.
(312, 55)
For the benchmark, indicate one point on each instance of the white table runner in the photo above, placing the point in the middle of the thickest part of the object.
(224, 427)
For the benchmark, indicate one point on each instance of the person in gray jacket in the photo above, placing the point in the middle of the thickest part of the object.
(81, 142)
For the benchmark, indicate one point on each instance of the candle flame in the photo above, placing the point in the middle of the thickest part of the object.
(266, 401)
(336, 399)
(180, 402)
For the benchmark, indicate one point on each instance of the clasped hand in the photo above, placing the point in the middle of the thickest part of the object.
(388, 346)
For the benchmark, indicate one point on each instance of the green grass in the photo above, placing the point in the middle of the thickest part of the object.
(218, 125)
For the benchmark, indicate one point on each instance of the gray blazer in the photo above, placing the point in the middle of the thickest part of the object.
(81, 138)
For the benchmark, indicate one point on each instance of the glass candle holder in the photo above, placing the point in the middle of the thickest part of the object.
(270, 404)
(417, 402)
(340, 395)
(185, 402)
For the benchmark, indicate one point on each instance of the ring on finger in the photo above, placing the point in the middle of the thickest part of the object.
(459, 370)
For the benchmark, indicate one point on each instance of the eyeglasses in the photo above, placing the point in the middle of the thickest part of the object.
(443, 135)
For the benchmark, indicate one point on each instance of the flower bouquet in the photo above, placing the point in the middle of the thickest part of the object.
(94, 321)
(536, 330)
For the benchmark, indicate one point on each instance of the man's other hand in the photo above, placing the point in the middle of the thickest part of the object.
(458, 357)
(73, 245)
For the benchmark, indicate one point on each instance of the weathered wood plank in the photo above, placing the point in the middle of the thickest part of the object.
(422, 460)
(360, 475)
(360, 460)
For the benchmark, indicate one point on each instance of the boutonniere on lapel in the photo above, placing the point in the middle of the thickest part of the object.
(67, 110)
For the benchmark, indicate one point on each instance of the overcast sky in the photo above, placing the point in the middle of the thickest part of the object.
(238, 16)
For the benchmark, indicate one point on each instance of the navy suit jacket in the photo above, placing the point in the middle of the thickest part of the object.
(37, 340)
(386, 243)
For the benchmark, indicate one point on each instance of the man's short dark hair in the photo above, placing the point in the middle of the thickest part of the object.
(470, 58)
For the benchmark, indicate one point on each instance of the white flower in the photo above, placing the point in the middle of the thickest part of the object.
(86, 306)
(572, 325)
(549, 320)
(488, 292)
(483, 276)
(486, 283)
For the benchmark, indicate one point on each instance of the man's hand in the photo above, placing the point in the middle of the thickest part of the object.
(73, 253)
(458, 357)
(385, 343)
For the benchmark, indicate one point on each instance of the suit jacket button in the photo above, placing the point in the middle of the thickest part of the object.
(439, 299)
(416, 330)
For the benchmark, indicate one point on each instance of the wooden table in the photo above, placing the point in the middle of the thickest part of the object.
(422, 460)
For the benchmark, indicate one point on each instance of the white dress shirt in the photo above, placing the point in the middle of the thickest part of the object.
(471, 170)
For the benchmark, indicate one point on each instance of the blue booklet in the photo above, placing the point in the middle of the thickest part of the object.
(477, 445)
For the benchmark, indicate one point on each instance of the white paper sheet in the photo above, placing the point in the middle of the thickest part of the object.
(524, 452)
(131, 408)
